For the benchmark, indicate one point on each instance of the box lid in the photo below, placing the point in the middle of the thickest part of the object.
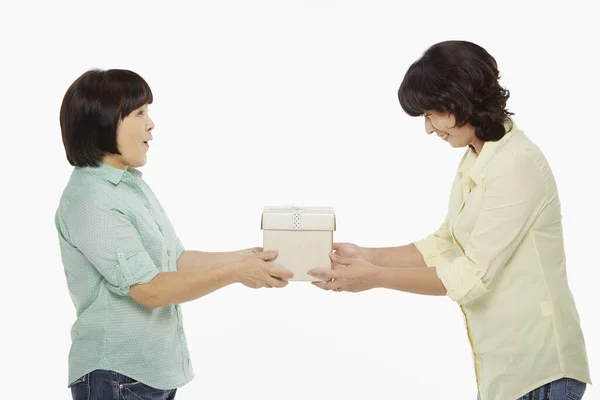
(295, 218)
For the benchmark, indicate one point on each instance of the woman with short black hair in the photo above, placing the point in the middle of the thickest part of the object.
(126, 269)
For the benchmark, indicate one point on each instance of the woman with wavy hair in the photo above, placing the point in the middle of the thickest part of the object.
(499, 253)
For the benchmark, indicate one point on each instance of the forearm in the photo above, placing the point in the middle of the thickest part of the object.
(407, 256)
(192, 260)
(169, 288)
(413, 280)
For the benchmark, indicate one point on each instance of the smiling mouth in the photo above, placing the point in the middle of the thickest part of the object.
(443, 136)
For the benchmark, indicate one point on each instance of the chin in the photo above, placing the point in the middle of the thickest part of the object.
(138, 163)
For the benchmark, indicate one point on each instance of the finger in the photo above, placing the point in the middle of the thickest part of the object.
(279, 272)
(257, 249)
(275, 282)
(340, 260)
(327, 285)
(335, 266)
(323, 273)
(267, 255)
(336, 246)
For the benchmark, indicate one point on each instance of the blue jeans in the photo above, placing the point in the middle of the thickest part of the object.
(109, 385)
(562, 389)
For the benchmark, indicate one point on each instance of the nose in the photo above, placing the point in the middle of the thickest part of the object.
(429, 129)
(149, 124)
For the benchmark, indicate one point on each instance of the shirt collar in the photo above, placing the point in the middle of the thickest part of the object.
(111, 174)
(473, 164)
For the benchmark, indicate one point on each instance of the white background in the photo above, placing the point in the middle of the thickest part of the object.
(267, 103)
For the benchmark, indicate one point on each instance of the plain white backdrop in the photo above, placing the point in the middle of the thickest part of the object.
(287, 102)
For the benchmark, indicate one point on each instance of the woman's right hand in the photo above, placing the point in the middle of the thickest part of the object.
(350, 250)
(254, 271)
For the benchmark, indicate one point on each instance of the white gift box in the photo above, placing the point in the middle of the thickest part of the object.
(302, 236)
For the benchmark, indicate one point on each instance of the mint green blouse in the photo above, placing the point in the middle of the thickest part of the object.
(114, 233)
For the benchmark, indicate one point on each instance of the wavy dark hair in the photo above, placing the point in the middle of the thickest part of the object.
(460, 78)
(92, 108)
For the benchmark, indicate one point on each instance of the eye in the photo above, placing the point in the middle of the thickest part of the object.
(141, 112)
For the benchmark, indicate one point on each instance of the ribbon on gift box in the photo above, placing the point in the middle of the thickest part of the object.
(302, 217)
(297, 215)
(297, 222)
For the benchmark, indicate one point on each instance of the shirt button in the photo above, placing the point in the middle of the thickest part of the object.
(147, 205)
(168, 252)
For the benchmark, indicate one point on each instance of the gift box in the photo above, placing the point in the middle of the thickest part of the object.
(302, 236)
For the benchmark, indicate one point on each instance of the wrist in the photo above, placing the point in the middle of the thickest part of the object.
(368, 254)
(379, 277)
(232, 271)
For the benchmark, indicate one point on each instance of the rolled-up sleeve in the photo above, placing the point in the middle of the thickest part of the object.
(110, 241)
(179, 248)
(436, 247)
(514, 194)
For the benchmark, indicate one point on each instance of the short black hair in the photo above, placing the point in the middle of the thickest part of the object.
(461, 78)
(92, 108)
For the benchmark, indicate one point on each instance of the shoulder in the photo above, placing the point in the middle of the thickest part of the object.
(87, 194)
(518, 155)
(519, 168)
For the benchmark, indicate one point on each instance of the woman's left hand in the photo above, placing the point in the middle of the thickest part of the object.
(347, 274)
(246, 252)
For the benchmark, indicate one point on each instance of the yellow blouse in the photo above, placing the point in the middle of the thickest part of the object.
(500, 255)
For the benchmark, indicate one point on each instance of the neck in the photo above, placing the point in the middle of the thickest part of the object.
(114, 162)
(476, 146)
